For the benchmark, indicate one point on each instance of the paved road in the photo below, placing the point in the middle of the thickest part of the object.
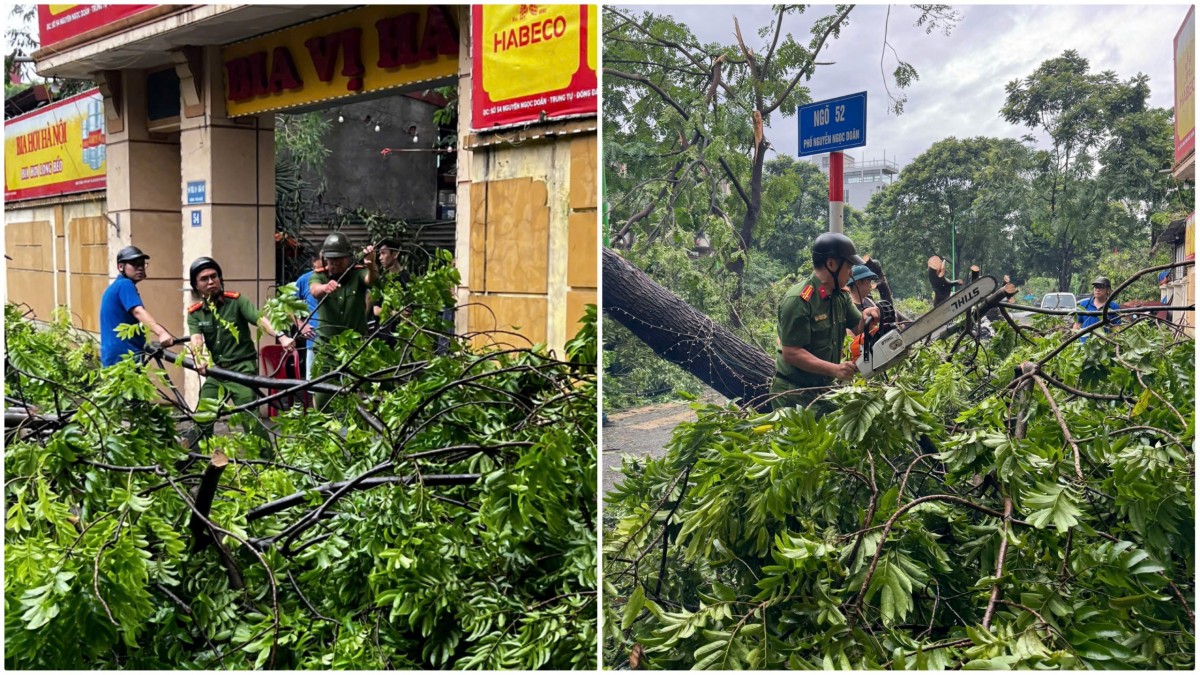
(644, 431)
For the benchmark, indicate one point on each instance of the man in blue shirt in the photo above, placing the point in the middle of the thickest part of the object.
(308, 330)
(121, 303)
(1101, 289)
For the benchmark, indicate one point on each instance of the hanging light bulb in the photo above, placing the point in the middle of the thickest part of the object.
(412, 129)
(376, 127)
(341, 118)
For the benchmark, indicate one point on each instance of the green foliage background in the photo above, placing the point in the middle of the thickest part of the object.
(1087, 199)
(870, 538)
(495, 573)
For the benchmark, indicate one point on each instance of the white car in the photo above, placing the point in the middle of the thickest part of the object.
(1049, 301)
(1058, 301)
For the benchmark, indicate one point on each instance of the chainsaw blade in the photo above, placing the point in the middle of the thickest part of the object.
(886, 349)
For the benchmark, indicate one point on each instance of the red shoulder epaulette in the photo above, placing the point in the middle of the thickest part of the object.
(195, 307)
(806, 293)
(232, 295)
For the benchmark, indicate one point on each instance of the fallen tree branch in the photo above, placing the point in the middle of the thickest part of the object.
(1015, 326)
(200, 523)
(991, 607)
(284, 503)
(261, 381)
(217, 529)
(1062, 424)
(887, 528)
(1079, 392)
(205, 493)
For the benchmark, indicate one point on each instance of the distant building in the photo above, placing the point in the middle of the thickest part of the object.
(861, 179)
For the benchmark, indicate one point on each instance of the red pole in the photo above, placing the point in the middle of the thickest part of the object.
(835, 191)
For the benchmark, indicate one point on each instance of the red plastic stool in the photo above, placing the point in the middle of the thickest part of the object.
(280, 364)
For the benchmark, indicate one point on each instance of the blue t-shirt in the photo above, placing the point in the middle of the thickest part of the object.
(303, 292)
(116, 308)
(1089, 305)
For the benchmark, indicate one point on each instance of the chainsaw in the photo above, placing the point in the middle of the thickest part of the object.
(883, 348)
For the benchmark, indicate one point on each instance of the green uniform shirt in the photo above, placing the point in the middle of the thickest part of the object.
(811, 318)
(233, 310)
(386, 276)
(344, 309)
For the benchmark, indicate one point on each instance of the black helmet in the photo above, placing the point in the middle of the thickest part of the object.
(337, 245)
(833, 245)
(199, 265)
(129, 254)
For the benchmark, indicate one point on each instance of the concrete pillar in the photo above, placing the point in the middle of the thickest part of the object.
(143, 175)
(235, 159)
(462, 236)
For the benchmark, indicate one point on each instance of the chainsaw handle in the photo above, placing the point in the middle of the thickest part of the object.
(874, 317)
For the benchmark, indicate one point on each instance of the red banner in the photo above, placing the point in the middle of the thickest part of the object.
(60, 22)
(532, 63)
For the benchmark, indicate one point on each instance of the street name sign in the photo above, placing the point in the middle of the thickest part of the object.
(834, 124)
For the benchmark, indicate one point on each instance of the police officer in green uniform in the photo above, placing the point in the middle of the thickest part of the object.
(390, 269)
(813, 319)
(209, 322)
(343, 292)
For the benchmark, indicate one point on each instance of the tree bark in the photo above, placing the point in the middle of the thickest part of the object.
(683, 336)
(201, 535)
(941, 287)
(260, 381)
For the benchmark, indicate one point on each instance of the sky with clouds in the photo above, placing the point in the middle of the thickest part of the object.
(962, 75)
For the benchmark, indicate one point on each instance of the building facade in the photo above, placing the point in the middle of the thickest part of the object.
(189, 94)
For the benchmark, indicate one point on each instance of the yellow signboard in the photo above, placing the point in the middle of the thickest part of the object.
(541, 45)
(532, 63)
(1185, 87)
(361, 51)
(1189, 234)
(58, 149)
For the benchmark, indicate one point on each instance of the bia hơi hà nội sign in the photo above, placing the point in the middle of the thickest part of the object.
(55, 150)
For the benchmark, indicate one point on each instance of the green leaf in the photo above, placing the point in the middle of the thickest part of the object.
(1055, 503)
(633, 607)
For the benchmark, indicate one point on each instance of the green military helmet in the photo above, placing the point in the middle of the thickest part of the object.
(337, 245)
(835, 246)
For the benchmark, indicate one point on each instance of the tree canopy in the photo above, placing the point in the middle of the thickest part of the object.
(971, 192)
(1098, 182)
(686, 141)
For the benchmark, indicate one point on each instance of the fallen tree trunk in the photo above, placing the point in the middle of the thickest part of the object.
(682, 335)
